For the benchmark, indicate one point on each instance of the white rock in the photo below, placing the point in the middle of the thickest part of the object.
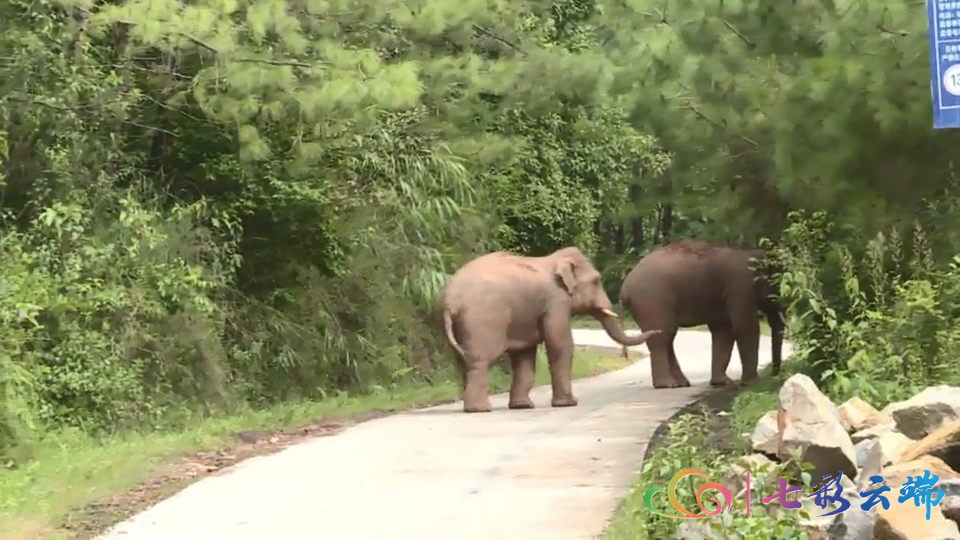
(920, 415)
(766, 437)
(809, 423)
(873, 432)
(890, 443)
(856, 414)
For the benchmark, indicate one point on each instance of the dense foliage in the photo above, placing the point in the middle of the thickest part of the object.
(225, 203)
(220, 204)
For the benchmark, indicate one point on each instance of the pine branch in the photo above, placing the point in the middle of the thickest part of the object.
(203, 45)
(481, 30)
(750, 44)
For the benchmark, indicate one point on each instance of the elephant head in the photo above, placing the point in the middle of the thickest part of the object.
(582, 282)
(768, 302)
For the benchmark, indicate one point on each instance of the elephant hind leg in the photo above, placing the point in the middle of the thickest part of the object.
(476, 392)
(524, 366)
(675, 371)
(476, 387)
(483, 342)
(661, 368)
(656, 317)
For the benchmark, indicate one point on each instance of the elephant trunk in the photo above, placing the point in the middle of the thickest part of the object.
(613, 330)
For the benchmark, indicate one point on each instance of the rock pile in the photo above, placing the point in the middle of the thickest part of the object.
(899, 442)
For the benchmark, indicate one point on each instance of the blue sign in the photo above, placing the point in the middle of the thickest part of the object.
(943, 18)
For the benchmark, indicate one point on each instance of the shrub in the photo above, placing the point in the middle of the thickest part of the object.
(876, 321)
(113, 313)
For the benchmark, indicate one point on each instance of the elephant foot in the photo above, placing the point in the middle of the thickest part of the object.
(747, 379)
(520, 404)
(568, 401)
(476, 407)
(667, 382)
(719, 382)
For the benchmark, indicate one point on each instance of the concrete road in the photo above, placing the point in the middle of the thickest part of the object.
(440, 474)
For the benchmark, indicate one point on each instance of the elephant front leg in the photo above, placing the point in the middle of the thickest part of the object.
(746, 330)
(748, 345)
(722, 340)
(559, 341)
(524, 364)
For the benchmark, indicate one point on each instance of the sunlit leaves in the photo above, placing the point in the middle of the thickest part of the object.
(252, 147)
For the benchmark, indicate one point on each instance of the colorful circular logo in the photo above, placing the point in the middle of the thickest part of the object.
(672, 497)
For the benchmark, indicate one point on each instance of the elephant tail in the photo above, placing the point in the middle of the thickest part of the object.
(448, 331)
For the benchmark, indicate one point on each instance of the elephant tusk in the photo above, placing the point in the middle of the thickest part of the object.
(609, 313)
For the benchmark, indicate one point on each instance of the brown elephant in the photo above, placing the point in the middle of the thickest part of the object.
(502, 303)
(692, 282)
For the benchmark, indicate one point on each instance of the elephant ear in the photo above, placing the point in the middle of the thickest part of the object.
(564, 274)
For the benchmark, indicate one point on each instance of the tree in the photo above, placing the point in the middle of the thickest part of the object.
(243, 202)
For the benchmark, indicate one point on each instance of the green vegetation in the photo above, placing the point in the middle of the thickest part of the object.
(221, 206)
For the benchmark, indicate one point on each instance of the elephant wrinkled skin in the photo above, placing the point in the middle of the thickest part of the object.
(500, 303)
(692, 282)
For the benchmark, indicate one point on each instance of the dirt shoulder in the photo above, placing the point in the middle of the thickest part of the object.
(179, 460)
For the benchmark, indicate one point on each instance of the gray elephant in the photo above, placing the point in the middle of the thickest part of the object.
(502, 303)
(693, 282)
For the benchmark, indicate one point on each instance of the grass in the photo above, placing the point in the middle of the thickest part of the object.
(632, 520)
(71, 471)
